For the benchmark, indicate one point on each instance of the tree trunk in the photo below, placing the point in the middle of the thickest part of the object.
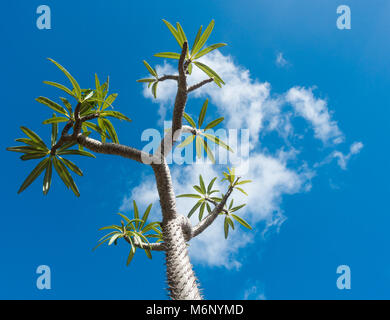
(182, 282)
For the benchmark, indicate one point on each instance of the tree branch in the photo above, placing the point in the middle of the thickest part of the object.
(168, 77)
(181, 95)
(114, 149)
(160, 246)
(206, 222)
(200, 84)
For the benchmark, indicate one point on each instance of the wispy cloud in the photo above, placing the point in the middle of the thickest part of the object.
(316, 112)
(342, 159)
(280, 61)
(254, 292)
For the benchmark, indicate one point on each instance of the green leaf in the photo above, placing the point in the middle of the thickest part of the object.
(243, 182)
(34, 174)
(99, 93)
(95, 127)
(114, 237)
(210, 72)
(196, 39)
(54, 132)
(169, 55)
(131, 256)
(109, 100)
(202, 185)
(25, 149)
(145, 216)
(52, 105)
(198, 145)
(146, 80)
(239, 189)
(190, 68)
(201, 211)
(209, 49)
(199, 189)
(189, 120)
(194, 208)
(76, 86)
(111, 130)
(47, 177)
(71, 166)
(33, 155)
(136, 213)
(202, 40)
(230, 222)
(187, 141)
(31, 144)
(217, 141)
(150, 69)
(33, 136)
(213, 123)
(154, 89)
(210, 186)
(174, 32)
(114, 114)
(241, 221)
(189, 195)
(148, 254)
(65, 176)
(226, 227)
(76, 152)
(203, 112)
(67, 105)
(180, 33)
(237, 208)
(208, 151)
(60, 86)
(55, 120)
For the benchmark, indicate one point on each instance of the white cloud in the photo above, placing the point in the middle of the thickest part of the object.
(254, 292)
(343, 159)
(280, 60)
(246, 104)
(316, 112)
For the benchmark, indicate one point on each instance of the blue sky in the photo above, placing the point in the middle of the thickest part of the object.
(332, 215)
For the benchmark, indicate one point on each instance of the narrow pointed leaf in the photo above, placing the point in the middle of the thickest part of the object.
(174, 32)
(51, 104)
(71, 166)
(34, 174)
(60, 86)
(203, 112)
(169, 55)
(47, 177)
(209, 49)
(213, 123)
(76, 86)
(55, 120)
(76, 152)
(203, 38)
(186, 141)
(189, 119)
(217, 141)
(242, 221)
(33, 136)
(196, 40)
(150, 69)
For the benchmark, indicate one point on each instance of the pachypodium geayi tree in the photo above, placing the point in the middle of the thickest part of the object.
(89, 112)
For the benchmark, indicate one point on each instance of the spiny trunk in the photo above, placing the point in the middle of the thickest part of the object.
(182, 283)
